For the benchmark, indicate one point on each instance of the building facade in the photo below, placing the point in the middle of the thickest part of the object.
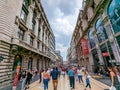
(98, 24)
(59, 58)
(52, 49)
(73, 59)
(25, 38)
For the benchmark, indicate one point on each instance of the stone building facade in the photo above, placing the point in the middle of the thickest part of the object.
(98, 23)
(25, 38)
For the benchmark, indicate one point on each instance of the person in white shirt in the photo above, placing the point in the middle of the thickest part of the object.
(80, 75)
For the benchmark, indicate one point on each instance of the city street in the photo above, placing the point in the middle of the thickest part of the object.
(64, 85)
(42, 35)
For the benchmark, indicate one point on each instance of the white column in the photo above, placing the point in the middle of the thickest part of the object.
(29, 19)
(28, 38)
(44, 35)
(41, 33)
(36, 27)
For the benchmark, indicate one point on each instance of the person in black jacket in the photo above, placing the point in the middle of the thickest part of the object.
(28, 79)
(23, 76)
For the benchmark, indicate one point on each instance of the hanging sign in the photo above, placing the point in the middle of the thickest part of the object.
(85, 46)
(105, 54)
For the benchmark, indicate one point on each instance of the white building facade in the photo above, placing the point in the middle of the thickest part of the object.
(24, 38)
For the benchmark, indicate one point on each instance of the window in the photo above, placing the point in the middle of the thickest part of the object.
(38, 45)
(31, 40)
(21, 34)
(114, 15)
(33, 26)
(101, 33)
(39, 32)
(23, 16)
(91, 39)
(33, 20)
(118, 40)
(26, 3)
(24, 11)
(43, 37)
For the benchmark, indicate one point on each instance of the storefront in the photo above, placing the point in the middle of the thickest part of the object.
(113, 12)
(95, 60)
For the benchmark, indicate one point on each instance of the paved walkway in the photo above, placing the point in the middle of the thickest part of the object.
(64, 85)
(35, 78)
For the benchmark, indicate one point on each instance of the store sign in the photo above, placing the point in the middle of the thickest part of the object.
(85, 46)
(105, 54)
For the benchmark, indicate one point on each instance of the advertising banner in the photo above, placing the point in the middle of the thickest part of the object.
(85, 46)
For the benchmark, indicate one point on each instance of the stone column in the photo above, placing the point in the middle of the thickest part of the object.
(41, 33)
(99, 51)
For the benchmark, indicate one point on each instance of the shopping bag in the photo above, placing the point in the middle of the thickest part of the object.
(88, 76)
(112, 88)
(118, 76)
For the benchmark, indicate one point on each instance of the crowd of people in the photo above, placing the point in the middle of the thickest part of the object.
(73, 73)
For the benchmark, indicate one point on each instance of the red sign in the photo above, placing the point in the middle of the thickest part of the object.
(85, 46)
(105, 54)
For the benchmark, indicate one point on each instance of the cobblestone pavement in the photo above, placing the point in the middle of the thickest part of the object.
(35, 78)
(64, 85)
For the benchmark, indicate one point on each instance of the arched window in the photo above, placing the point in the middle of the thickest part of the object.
(114, 14)
(91, 39)
(101, 33)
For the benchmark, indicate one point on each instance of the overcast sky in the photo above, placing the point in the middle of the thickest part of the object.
(62, 16)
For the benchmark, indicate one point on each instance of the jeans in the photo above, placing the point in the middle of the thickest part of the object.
(72, 81)
(45, 81)
(23, 83)
(40, 79)
(88, 84)
(80, 78)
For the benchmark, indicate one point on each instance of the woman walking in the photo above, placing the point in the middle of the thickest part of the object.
(87, 76)
(46, 78)
(80, 75)
(23, 79)
(114, 78)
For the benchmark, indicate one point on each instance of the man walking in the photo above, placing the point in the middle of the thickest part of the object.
(71, 75)
(55, 75)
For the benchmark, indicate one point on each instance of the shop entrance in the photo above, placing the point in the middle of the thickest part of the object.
(17, 62)
(96, 61)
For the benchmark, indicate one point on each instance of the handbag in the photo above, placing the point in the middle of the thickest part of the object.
(118, 78)
(112, 88)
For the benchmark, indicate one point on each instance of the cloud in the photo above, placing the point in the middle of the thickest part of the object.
(62, 16)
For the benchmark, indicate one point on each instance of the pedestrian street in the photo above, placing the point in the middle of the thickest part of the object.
(63, 84)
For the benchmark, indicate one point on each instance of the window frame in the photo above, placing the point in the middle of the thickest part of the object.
(21, 34)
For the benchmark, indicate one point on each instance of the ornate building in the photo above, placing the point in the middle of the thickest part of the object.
(98, 24)
(25, 38)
